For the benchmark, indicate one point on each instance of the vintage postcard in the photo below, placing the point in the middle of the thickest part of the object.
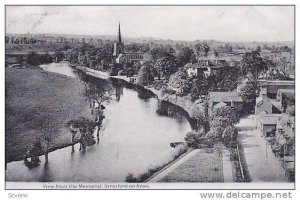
(149, 97)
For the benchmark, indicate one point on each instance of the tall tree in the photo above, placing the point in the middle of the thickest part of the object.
(252, 62)
(184, 56)
(180, 83)
(221, 118)
(166, 66)
(146, 74)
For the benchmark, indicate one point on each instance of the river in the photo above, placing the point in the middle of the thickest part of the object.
(133, 138)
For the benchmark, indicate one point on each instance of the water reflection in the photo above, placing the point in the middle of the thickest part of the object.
(133, 137)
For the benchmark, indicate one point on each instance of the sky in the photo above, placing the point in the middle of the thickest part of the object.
(223, 23)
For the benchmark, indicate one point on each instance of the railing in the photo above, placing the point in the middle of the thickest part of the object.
(240, 163)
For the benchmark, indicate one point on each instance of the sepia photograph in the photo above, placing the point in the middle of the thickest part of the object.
(149, 96)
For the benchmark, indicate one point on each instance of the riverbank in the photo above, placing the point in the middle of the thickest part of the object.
(199, 165)
(31, 94)
(183, 102)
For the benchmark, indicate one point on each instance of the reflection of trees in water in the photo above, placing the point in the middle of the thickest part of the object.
(96, 92)
(142, 92)
(170, 110)
(46, 174)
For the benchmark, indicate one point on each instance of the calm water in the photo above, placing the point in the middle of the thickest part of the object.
(133, 139)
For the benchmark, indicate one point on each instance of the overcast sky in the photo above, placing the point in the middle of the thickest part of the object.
(225, 23)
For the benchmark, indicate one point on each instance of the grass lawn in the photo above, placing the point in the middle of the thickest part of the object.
(205, 166)
(33, 95)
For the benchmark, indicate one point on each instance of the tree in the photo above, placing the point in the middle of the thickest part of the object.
(194, 138)
(222, 118)
(248, 92)
(128, 69)
(193, 59)
(202, 48)
(98, 91)
(201, 121)
(33, 59)
(180, 83)
(228, 48)
(59, 56)
(199, 86)
(148, 58)
(166, 66)
(48, 130)
(184, 56)
(228, 79)
(86, 128)
(45, 58)
(229, 136)
(252, 62)
(159, 52)
(258, 48)
(146, 74)
(216, 54)
(136, 67)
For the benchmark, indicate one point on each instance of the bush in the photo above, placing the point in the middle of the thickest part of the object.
(145, 75)
(221, 118)
(159, 84)
(131, 179)
(33, 59)
(229, 136)
(193, 138)
(168, 91)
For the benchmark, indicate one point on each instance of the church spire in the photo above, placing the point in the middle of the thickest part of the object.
(119, 36)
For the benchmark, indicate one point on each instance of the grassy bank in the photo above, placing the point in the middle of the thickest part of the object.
(206, 166)
(33, 95)
(152, 171)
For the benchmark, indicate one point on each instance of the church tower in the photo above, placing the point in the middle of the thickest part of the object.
(119, 45)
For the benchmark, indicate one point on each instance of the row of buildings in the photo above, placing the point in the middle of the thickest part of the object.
(50, 40)
(275, 119)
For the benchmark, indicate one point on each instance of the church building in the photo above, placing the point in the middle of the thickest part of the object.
(119, 54)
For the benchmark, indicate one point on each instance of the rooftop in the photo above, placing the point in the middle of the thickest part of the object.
(225, 97)
(269, 119)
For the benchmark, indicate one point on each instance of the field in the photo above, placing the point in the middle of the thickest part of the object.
(32, 96)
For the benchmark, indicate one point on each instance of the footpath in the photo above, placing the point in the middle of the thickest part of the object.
(263, 165)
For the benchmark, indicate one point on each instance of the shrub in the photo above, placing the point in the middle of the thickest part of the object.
(131, 179)
(193, 138)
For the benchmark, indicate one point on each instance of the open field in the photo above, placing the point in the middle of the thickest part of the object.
(33, 95)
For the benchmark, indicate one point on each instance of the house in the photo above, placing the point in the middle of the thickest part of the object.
(286, 126)
(267, 105)
(195, 69)
(290, 73)
(274, 85)
(129, 57)
(283, 93)
(247, 81)
(267, 124)
(217, 99)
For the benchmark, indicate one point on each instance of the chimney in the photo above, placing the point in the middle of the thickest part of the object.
(263, 92)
